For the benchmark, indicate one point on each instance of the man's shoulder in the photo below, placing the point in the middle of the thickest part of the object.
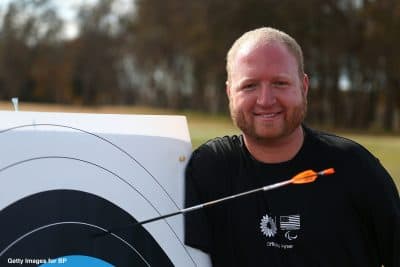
(221, 145)
(218, 151)
(342, 148)
(336, 142)
(213, 163)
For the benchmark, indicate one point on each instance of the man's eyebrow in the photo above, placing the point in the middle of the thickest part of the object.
(282, 75)
(244, 81)
(250, 79)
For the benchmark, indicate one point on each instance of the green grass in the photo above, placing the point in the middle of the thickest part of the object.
(203, 127)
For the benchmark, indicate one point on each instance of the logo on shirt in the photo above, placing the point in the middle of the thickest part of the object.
(288, 224)
(268, 226)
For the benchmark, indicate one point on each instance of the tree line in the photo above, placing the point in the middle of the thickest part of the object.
(171, 54)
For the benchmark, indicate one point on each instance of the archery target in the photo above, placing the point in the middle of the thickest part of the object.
(62, 230)
(67, 179)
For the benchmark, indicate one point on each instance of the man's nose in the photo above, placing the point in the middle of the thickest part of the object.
(266, 96)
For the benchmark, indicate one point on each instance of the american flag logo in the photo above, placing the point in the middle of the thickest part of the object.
(290, 223)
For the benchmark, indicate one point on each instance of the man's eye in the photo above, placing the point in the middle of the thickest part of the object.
(280, 83)
(249, 86)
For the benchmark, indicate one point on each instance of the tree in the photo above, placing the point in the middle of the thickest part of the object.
(27, 26)
(97, 55)
(382, 34)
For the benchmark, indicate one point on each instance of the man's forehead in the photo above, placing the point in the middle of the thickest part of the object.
(272, 52)
(250, 46)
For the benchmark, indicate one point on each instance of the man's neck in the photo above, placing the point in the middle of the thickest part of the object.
(277, 150)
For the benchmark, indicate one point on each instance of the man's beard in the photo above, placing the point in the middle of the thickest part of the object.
(291, 122)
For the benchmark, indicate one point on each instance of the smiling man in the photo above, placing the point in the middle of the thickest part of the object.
(351, 218)
(267, 90)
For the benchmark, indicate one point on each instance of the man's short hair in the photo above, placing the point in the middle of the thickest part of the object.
(265, 35)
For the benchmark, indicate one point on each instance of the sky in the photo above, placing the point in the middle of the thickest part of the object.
(67, 10)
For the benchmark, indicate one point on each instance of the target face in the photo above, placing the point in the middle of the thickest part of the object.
(76, 184)
(74, 222)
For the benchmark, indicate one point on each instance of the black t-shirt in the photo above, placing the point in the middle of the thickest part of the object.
(350, 218)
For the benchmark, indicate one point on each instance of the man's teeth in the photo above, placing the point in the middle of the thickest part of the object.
(270, 115)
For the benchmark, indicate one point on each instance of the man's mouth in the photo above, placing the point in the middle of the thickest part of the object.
(268, 115)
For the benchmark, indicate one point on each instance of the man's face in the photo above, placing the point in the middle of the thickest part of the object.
(267, 96)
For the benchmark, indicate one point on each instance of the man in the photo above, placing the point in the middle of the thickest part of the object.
(351, 218)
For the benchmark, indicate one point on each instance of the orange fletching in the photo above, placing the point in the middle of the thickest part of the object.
(304, 177)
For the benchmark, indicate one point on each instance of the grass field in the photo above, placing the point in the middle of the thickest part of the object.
(203, 127)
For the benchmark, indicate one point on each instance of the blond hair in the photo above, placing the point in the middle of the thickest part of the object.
(265, 35)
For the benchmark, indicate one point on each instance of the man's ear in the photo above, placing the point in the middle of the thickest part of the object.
(306, 83)
(227, 88)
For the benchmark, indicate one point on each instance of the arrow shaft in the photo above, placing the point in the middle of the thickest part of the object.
(160, 217)
(296, 180)
(273, 186)
(217, 201)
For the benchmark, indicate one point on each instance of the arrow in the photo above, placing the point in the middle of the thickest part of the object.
(304, 177)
